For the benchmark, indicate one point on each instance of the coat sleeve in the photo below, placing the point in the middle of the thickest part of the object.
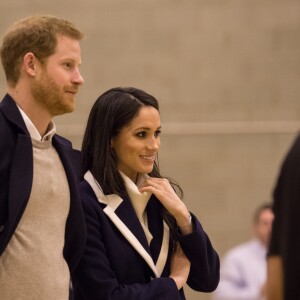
(95, 279)
(205, 264)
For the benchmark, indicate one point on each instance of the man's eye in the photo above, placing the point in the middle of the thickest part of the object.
(68, 65)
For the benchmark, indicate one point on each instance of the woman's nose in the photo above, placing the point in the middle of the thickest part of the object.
(154, 143)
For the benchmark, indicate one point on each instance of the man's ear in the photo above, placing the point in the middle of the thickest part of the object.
(29, 63)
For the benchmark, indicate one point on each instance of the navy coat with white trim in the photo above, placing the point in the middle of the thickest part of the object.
(118, 263)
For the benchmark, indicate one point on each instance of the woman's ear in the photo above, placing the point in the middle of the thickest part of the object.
(112, 142)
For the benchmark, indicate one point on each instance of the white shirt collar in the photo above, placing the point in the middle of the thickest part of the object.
(34, 134)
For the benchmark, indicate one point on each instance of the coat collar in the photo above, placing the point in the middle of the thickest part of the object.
(12, 113)
(19, 118)
(117, 211)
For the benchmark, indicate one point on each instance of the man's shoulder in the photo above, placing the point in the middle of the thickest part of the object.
(294, 151)
(65, 142)
(292, 159)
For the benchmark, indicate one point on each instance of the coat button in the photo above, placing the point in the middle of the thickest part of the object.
(1, 228)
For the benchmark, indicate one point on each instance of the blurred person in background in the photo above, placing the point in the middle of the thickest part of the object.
(284, 250)
(243, 271)
(143, 242)
(42, 229)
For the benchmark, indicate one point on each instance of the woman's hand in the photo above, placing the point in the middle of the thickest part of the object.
(180, 267)
(164, 192)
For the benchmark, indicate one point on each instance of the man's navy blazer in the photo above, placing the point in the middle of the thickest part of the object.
(16, 173)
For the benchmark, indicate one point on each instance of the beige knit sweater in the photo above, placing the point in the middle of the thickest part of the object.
(32, 266)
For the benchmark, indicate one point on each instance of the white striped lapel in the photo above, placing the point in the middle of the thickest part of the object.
(112, 202)
(164, 250)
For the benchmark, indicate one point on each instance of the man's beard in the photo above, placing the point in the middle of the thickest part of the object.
(48, 94)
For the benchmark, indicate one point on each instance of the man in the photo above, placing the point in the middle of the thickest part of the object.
(284, 251)
(42, 229)
(244, 268)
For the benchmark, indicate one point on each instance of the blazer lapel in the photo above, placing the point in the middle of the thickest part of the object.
(70, 159)
(124, 210)
(115, 209)
(160, 244)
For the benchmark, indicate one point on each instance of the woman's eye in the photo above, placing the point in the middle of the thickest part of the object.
(141, 134)
(144, 134)
(157, 133)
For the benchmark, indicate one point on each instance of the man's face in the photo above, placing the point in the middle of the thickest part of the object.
(263, 226)
(58, 79)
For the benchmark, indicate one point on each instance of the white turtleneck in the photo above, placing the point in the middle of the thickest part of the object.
(139, 200)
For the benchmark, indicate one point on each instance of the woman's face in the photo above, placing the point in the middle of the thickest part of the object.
(137, 144)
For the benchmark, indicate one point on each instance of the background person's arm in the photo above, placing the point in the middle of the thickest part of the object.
(275, 278)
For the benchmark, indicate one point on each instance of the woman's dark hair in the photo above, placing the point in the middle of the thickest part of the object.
(113, 110)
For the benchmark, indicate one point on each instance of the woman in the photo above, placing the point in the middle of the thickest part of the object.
(143, 243)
